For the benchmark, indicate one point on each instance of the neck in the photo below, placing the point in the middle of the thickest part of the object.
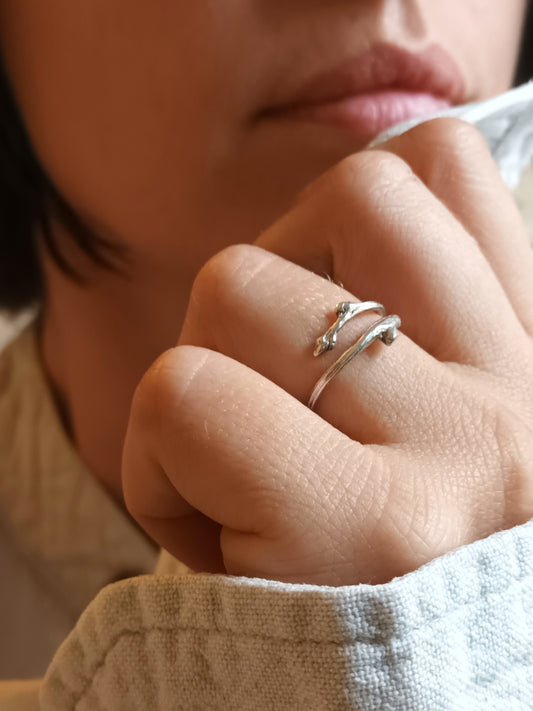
(97, 341)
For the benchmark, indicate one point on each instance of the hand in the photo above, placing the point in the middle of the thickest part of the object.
(415, 449)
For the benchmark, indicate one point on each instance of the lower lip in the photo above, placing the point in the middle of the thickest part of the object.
(369, 114)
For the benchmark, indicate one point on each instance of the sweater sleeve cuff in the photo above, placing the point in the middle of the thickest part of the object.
(455, 634)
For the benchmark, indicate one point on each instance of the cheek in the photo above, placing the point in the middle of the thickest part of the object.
(122, 106)
(485, 38)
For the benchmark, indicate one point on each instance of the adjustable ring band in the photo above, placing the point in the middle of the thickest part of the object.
(385, 329)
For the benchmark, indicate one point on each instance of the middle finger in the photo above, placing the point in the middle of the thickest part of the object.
(382, 233)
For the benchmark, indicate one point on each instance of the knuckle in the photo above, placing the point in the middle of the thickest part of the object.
(513, 439)
(221, 285)
(458, 133)
(163, 389)
(419, 531)
(453, 133)
(357, 175)
(220, 272)
(223, 290)
(455, 145)
(369, 171)
(146, 396)
(495, 447)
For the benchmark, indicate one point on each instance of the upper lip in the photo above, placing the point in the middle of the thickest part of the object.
(383, 67)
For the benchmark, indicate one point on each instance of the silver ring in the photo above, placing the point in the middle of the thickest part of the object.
(385, 329)
(345, 311)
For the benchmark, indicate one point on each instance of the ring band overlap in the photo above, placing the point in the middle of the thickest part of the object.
(384, 329)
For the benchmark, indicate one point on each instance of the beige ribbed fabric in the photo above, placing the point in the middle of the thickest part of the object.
(154, 643)
(62, 538)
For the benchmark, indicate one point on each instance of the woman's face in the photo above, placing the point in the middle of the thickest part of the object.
(181, 126)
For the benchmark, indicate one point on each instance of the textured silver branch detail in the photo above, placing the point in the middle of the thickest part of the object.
(345, 311)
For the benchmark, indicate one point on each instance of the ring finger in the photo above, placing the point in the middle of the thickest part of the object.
(270, 322)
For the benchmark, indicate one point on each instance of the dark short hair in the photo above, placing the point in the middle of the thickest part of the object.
(28, 200)
(524, 70)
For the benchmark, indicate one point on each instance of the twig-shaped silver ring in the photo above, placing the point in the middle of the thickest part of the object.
(345, 311)
(386, 329)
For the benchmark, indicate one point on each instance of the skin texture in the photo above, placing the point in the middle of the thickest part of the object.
(416, 449)
(160, 143)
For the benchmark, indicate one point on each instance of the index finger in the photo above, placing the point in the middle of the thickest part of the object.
(209, 435)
